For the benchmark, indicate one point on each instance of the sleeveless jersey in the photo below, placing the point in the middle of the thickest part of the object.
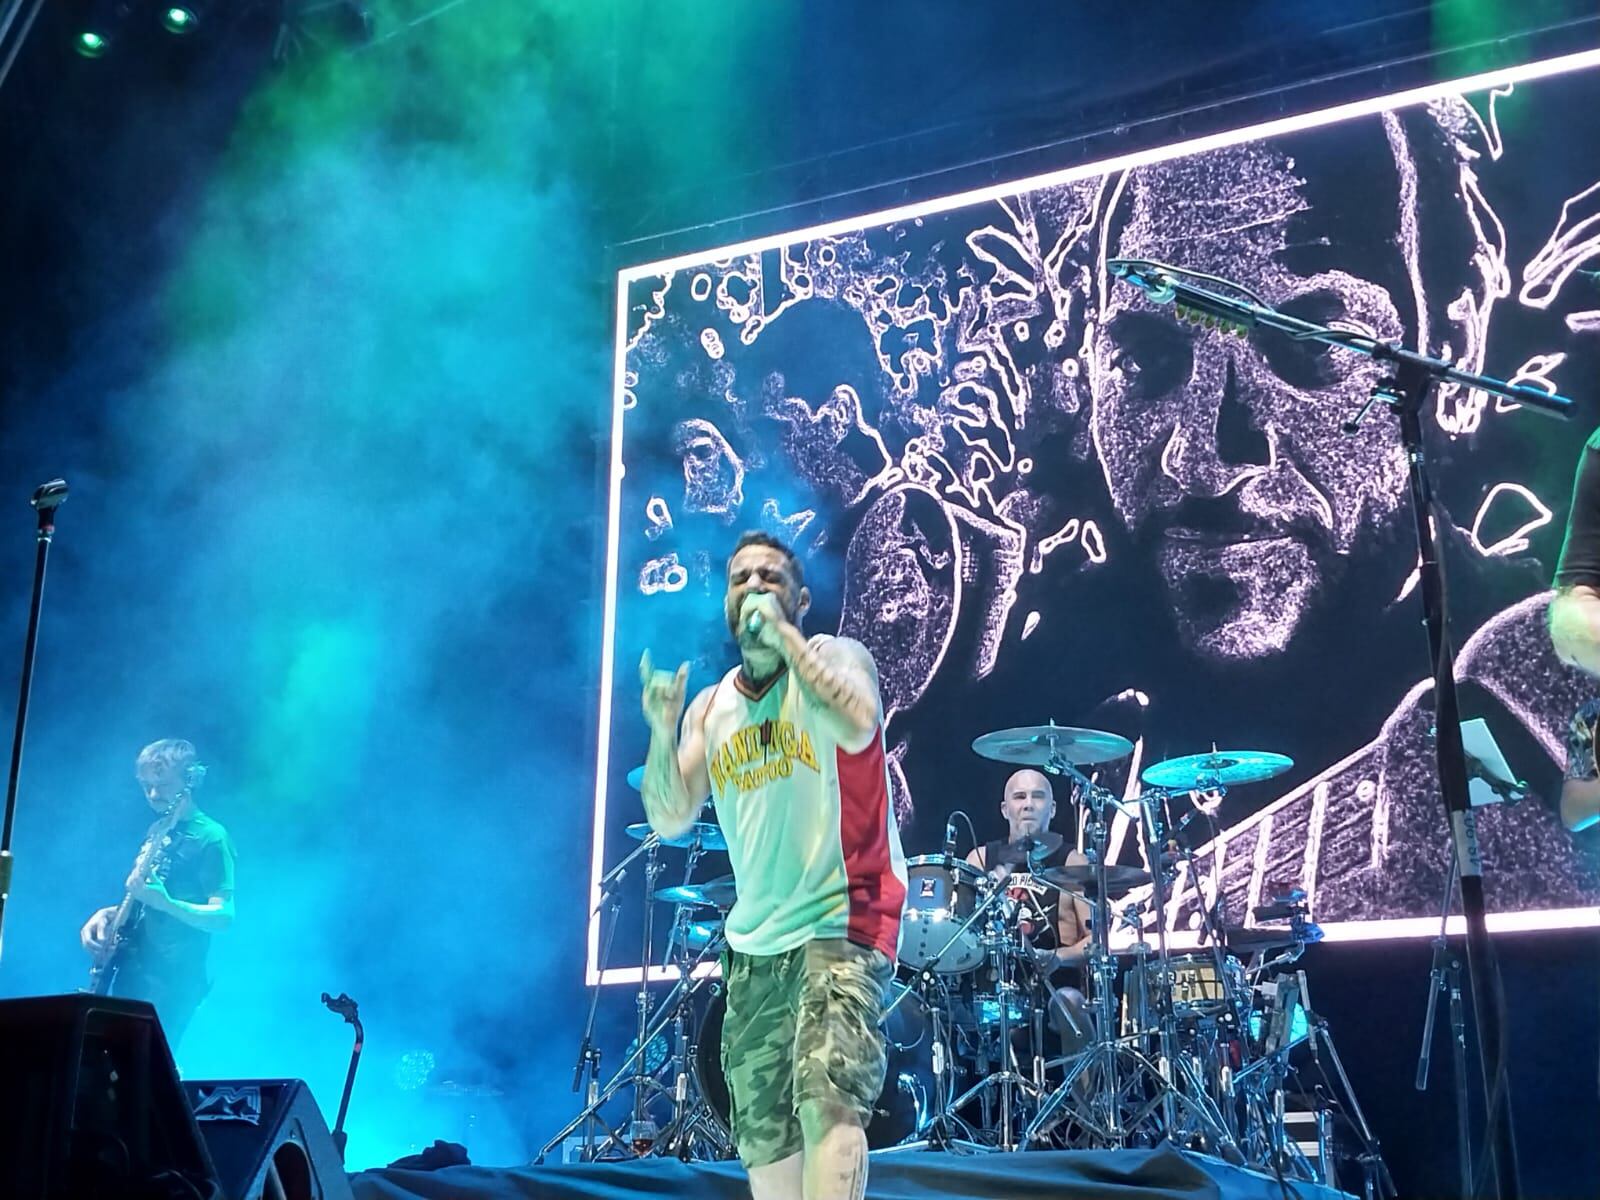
(1037, 902)
(811, 833)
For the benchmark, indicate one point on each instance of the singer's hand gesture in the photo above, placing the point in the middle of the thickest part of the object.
(663, 696)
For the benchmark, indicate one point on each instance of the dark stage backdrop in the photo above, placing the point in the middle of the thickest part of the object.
(1035, 496)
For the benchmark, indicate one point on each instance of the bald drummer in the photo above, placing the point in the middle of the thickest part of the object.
(1056, 924)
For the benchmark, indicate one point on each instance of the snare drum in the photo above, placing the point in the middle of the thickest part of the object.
(941, 893)
(1197, 988)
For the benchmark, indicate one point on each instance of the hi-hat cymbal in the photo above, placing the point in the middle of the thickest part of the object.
(700, 934)
(1042, 745)
(708, 835)
(1219, 768)
(636, 778)
(1019, 852)
(1085, 877)
(713, 893)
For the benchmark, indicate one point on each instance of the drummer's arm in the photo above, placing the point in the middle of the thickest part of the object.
(1072, 929)
(676, 782)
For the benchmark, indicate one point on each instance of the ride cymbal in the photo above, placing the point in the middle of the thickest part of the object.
(1045, 745)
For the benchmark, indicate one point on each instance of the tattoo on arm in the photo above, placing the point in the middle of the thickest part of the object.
(845, 686)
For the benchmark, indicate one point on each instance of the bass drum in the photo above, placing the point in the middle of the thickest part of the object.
(903, 1106)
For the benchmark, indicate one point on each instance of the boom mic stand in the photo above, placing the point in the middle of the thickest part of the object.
(46, 499)
(1405, 390)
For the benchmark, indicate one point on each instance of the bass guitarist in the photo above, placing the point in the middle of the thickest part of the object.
(152, 946)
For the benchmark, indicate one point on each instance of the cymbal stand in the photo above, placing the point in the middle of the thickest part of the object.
(632, 1070)
(588, 1053)
(1212, 921)
(682, 912)
(1096, 1108)
(936, 1134)
(643, 1081)
(1007, 1081)
(1183, 1085)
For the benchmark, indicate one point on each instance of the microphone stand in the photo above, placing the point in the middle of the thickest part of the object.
(1405, 390)
(346, 1008)
(46, 499)
(1446, 977)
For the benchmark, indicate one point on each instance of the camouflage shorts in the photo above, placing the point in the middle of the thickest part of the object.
(802, 1025)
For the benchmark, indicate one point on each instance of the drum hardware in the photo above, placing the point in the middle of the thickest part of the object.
(1147, 1086)
(691, 946)
(681, 1129)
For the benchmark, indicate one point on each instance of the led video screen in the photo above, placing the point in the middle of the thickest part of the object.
(1036, 496)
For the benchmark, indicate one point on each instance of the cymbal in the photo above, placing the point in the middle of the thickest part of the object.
(1241, 939)
(713, 893)
(699, 934)
(1219, 768)
(1042, 745)
(1017, 853)
(636, 778)
(1084, 877)
(708, 835)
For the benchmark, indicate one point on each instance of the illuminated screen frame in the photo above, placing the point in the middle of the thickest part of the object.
(1569, 918)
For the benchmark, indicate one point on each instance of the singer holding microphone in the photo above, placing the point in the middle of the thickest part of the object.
(789, 745)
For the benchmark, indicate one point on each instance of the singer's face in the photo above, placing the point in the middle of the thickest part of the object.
(1028, 805)
(1224, 457)
(162, 786)
(761, 569)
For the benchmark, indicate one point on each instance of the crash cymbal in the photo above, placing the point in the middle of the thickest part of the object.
(1219, 768)
(1254, 939)
(1019, 852)
(1084, 877)
(636, 778)
(1042, 745)
(713, 893)
(708, 835)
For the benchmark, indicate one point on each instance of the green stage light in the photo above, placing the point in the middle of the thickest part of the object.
(180, 18)
(91, 44)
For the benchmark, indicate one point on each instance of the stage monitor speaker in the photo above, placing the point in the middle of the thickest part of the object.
(267, 1138)
(90, 1104)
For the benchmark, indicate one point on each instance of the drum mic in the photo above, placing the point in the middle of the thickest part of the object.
(950, 838)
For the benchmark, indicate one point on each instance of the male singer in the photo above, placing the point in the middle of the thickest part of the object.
(789, 743)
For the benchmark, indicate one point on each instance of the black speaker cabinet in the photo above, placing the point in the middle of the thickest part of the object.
(267, 1137)
(90, 1103)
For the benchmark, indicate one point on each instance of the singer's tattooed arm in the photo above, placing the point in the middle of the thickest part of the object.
(840, 673)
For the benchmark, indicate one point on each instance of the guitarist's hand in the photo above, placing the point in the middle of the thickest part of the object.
(96, 930)
(153, 894)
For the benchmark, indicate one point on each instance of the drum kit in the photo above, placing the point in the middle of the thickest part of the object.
(1210, 1045)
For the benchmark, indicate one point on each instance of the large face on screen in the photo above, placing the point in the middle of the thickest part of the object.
(1225, 457)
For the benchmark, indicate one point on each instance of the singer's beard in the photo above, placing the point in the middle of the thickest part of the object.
(760, 663)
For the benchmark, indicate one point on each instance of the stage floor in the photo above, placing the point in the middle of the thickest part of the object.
(1038, 1175)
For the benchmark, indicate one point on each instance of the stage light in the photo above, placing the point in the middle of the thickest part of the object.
(181, 18)
(97, 32)
(91, 44)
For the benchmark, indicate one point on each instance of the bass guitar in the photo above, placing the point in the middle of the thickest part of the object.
(150, 861)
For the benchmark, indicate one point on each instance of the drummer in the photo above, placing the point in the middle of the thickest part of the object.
(1054, 924)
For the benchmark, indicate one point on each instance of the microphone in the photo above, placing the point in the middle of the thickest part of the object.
(753, 624)
(1511, 793)
(950, 838)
